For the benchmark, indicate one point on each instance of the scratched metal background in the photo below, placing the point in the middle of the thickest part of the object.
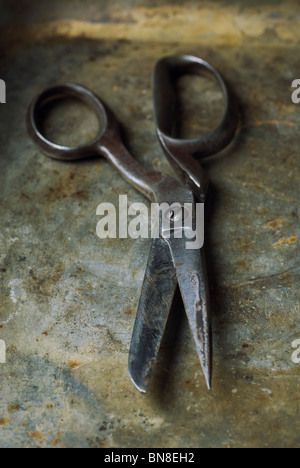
(68, 300)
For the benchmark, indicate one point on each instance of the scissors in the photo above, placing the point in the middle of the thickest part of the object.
(170, 263)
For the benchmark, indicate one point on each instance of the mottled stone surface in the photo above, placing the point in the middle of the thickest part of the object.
(68, 299)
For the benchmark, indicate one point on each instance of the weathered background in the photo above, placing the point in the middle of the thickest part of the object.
(68, 300)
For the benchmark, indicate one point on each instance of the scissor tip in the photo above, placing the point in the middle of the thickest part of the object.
(207, 375)
(140, 388)
(138, 382)
(208, 381)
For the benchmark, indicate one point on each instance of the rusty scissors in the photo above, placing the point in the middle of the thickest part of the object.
(170, 263)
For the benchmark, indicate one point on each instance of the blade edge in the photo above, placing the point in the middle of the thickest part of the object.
(156, 299)
(192, 278)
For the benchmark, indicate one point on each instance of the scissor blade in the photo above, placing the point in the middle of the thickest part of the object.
(156, 299)
(192, 278)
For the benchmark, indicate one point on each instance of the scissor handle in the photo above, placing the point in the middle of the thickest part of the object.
(107, 143)
(182, 152)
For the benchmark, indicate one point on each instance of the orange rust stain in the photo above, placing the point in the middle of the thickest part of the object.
(74, 364)
(128, 311)
(276, 224)
(45, 333)
(243, 264)
(289, 241)
(3, 421)
(13, 408)
(36, 435)
(274, 122)
(81, 194)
